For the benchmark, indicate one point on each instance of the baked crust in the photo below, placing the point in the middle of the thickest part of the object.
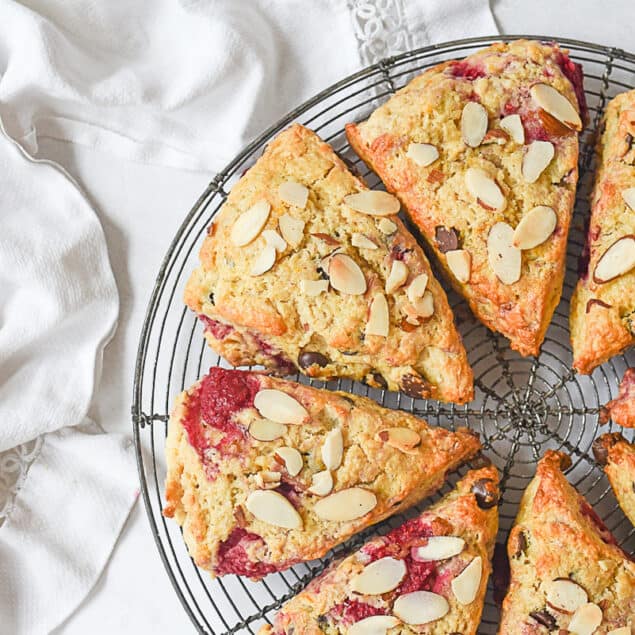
(558, 535)
(602, 320)
(429, 110)
(617, 457)
(268, 320)
(327, 603)
(622, 408)
(214, 464)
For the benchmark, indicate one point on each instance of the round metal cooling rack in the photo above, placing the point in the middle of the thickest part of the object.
(523, 406)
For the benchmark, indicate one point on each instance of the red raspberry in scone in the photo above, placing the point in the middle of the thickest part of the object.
(602, 320)
(427, 576)
(306, 269)
(264, 473)
(617, 456)
(568, 575)
(483, 155)
(622, 408)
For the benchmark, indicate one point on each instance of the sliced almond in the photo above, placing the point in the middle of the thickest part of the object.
(535, 227)
(617, 260)
(586, 619)
(420, 607)
(379, 317)
(274, 509)
(417, 287)
(333, 449)
(292, 459)
(345, 275)
(565, 595)
(460, 264)
(292, 229)
(397, 276)
(250, 223)
(294, 193)
(362, 242)
(379, 577)
(280, 407)
(267, 479)
(422, 154)
(345, 505)
(424, 306)
(264, 261)
(466, 585)
(485, 189)
(266, 430)
(438, 548)
(321, 483)
(386, 226)
(273, 238)
(373, 625)
(538, 156)
(629, 197)
(504, 258)
(403, 439)
(473, 123)
(313, 288)
(514, 126)
(557, 105)
(373, 202)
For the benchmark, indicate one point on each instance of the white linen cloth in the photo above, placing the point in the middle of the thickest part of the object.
(183, 84)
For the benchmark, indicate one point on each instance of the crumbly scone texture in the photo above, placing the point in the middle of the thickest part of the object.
(328, 604)
(214, 464)
(429, 110)
(269, 320)
(617, 456)
(602, 319)
(557, 534)
(622, 408)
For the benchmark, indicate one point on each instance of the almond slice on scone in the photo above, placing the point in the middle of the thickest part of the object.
(568, 575)
(602, 319)
(505, 121)
(306, 269)
(253, 499)
(428, 575)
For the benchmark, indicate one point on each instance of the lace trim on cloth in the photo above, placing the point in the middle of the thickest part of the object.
(14, 466)
(381, 28)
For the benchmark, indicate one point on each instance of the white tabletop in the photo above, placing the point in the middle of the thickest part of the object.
(140, 208)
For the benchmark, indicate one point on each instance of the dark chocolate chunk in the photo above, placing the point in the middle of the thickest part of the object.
(486, 492)
(521, 544)
(379, 381)
(415, 387)
(544, 618)
(310, 358)
(211, 297)
(447, 239)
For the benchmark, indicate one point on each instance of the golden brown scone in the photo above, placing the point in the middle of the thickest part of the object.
(617, 456)
(328, 305)
(568, 574)
(622, 408)
(430, 553)
(250, 507)
(602, 320)
(503, 160)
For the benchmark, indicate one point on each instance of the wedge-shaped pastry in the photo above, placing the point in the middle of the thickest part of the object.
(496, 202)
(617, 456)
(603, 304)
(264, 473)
(567, 573)
(306, 269)
(427, 576)
(622, 408)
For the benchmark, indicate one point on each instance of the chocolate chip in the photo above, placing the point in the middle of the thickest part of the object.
(211, 297)
(544, 618)
(633, 486)
(415, 387)
(378, 380)
(602, 445)
(447, 239)
(521, 544)
(486, 492)
(310, 358)
(500, 573)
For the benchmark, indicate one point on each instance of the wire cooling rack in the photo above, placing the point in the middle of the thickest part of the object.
(523, 406)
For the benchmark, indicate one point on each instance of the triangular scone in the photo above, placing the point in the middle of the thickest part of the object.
(622, 408)
(483, 154)
(316, 286)
(427, 576)
(603, 304)
(567, 573)
(617, 456)
(264, 473)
